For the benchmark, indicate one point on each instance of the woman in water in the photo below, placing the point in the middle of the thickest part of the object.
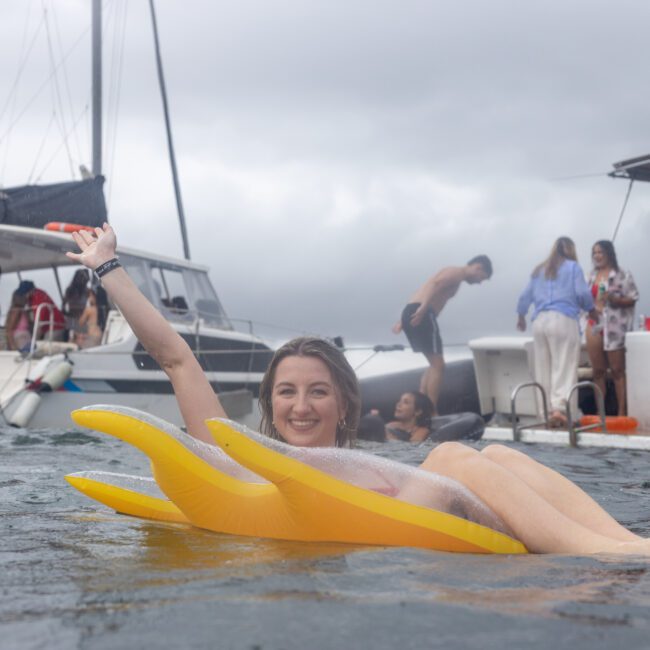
(412, 421)
(558, 292)
(310, 398)
(615, 295)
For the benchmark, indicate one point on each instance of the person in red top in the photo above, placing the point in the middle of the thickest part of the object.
(36, 297)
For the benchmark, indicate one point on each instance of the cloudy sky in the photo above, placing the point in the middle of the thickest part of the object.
(333, 154)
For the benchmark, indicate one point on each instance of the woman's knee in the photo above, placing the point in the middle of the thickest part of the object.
(447, 455)
(507, 457)
(618, 373)
(598, 372)
(499, 453)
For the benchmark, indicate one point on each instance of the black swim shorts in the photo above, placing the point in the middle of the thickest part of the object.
(425, 337)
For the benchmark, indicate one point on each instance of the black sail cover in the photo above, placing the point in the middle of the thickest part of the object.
(80, 202)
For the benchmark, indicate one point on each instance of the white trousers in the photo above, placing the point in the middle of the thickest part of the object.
(557, 353)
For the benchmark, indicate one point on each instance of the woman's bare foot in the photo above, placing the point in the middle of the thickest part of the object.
(558, 420)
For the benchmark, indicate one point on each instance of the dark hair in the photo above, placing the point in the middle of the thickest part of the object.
(607, 248)
(78, 286)
(18, 300)
(343, 376)
(563, 249)
(424, 405)
(484, 261)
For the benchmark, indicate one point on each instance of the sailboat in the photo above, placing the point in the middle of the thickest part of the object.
(40, 385)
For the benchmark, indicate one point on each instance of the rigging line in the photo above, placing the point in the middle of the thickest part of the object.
(66, 79)
(12, 97)
(40, 149)
(278, 327)
(118, 93)
(22, 64)
(42, 86)
(570, 178)
(65, 137)
(620, 218)
(57, 90)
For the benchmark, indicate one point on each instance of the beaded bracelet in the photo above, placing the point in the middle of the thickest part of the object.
(107, 267)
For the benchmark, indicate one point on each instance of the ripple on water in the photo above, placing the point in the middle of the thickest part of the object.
(71, 564)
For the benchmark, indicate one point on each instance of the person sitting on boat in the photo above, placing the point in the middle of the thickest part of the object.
(18, 329)
(89, 333)
(51, 321)
(419, 317)
(310, 397)
(558, 292)
(75, 298)
(615, 294)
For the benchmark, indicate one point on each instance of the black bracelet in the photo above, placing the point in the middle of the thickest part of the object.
(107, 267)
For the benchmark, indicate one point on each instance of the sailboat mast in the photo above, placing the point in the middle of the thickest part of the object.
(170, 143)
(97, 86)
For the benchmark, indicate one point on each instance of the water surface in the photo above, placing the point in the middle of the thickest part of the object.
(76, 575)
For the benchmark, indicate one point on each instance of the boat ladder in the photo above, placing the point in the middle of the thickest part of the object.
(516, 428)
(600, 404)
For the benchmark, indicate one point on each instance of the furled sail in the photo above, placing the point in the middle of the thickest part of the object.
(80, 202)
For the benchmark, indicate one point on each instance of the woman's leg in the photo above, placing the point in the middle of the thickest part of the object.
(533, 520)
(559, 491)
(616, 360)
(597, 358)
(564, 343)
(542, 356)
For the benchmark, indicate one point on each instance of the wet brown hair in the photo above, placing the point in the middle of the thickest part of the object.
(343, 376)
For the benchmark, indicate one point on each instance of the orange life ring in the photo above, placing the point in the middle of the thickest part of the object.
(62, 226)
(615, 424)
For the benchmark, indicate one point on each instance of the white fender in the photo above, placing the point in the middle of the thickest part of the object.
(55, 377)
(26, 409)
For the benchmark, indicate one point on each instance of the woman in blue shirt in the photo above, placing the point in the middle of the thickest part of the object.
(558, 292)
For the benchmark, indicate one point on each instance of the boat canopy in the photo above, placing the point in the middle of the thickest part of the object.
(81, 202)
(178, 288)
(634, 169)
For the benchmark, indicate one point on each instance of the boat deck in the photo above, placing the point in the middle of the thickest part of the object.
(639, 440)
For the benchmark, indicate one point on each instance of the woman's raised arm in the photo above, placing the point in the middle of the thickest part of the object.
(196, 399)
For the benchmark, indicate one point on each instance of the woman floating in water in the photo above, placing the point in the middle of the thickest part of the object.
(310, 398)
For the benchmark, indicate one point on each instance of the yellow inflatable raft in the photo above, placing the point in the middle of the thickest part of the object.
(274, 490)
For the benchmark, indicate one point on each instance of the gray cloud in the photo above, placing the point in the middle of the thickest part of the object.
(333, 155)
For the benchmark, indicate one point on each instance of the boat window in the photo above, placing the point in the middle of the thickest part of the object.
(141, 276)
(173, 293)
(43, 278)
(203, 299)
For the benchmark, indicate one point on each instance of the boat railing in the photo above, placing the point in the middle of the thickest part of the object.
(517, 428)
(600, 404)
(41, 322)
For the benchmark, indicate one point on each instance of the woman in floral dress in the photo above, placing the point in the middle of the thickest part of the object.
(615, 295)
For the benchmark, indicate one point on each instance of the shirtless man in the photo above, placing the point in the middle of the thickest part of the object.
(419, 317)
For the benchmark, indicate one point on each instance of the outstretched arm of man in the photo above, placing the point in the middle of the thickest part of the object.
(196, 399)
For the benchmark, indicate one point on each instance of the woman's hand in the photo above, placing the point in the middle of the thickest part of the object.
(521, 323)
(96, 248)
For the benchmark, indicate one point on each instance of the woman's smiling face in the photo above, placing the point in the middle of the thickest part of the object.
(306, 404)
(599, 257)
